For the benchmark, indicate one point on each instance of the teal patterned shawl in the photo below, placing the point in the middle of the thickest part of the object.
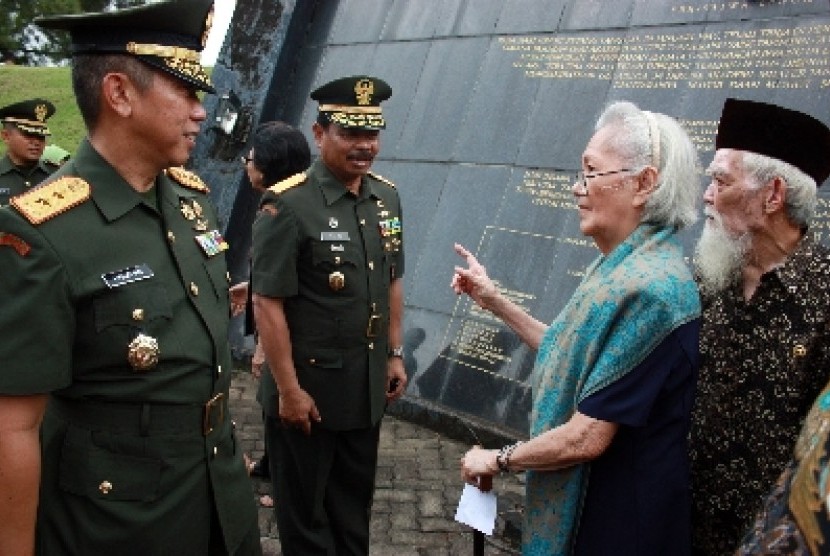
(628, 302)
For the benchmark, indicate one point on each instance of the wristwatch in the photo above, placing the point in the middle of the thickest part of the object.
(396, 352)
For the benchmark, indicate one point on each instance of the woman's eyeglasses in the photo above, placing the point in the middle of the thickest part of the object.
(582, 178)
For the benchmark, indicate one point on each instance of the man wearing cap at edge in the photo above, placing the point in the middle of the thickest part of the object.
(765, 289)
(115, 304)
(24, 133)
(328, 296)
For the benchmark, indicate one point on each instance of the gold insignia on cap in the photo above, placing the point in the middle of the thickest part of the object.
(363, 91)
(45, 202)
(143, 353)
(41, 111)
(187, 179)
(799, 350)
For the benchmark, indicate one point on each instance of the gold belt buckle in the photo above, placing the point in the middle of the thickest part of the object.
(207, 423)
(372, 327)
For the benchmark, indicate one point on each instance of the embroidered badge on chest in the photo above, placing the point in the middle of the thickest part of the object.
(212, 243)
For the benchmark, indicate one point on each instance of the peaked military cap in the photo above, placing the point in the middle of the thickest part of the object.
(770, 130)
(353, 102)
(29, 115)
(167, 35)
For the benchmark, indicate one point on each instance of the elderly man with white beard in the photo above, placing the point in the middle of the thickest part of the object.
(765, 289)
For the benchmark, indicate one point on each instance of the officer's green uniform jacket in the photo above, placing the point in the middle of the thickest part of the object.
(14, 181)
(127, 466)
(302, 238)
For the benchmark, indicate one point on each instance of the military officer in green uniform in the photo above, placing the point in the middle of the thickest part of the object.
(24, 133)
(115, 315)
(328, 298)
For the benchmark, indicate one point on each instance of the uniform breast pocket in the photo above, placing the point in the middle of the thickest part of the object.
(142, 305)
(115, 317)
(338, 264)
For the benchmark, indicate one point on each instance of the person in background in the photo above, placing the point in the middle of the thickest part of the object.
(327, 283)
(795, 517)
(114, 427)
(278, 151)
(24, 132)
(615, 372)
(765, 289)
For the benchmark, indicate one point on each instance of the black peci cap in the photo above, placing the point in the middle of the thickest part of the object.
(29, 115)
(167, 35)
(770, 130)
(353, 102)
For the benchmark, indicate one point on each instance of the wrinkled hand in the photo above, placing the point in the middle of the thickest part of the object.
(395, 374)
(473, 280)
(478, 467)
(239, 297)
(297, 409)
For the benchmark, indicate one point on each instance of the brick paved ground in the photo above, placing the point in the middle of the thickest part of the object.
(417, 488)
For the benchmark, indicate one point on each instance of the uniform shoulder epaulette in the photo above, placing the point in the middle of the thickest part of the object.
(381, 179)
(187, 179)
(288, 183)
(47, 201)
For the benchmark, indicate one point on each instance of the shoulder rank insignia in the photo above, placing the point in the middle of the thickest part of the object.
(381, 179)
(288, 183)
(47, 201)
(187, 179)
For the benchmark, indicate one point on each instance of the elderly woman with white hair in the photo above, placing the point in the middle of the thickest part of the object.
(614, 378)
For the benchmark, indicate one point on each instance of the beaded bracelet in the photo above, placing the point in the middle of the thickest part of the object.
(503, 457)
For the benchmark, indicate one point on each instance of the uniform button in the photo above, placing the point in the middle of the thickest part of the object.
(228, 276)
(194, 289)
(362, 222)
(371, 345)
(215, 451)
(171, 237)
(336, 260)
(138, 314)
(219, 369)
(371, 265)
(105, 487)
(312, 361)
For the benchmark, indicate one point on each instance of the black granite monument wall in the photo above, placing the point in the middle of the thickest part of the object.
(493, 103)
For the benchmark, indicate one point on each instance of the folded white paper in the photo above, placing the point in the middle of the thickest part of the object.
(477, 509)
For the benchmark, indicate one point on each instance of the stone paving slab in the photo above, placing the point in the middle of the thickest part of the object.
(417, 488)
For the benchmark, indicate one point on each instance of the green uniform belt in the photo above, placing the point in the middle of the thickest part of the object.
(144, 419)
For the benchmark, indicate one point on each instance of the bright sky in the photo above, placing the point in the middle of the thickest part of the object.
(222, 13)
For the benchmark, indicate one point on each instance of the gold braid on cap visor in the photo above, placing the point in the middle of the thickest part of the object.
(180, 59)
(353, 116)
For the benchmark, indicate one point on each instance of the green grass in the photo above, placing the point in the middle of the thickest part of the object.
(21, 83)
(54, 84)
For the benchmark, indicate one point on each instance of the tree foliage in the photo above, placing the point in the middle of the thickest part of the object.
(22, 42)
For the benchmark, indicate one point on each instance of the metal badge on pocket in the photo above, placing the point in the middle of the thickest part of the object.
(143, 352)
(337, 280)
